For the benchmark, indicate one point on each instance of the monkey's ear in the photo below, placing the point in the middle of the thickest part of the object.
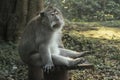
(42, 14)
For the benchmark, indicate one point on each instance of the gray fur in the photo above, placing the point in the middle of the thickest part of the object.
(39, 44)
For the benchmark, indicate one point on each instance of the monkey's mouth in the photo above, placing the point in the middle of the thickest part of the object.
(56, 26)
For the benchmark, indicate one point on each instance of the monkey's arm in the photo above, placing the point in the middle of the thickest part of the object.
(46, 57)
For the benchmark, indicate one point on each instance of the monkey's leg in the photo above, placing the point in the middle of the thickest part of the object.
(66, 61)
(72, 54)
(35, 60)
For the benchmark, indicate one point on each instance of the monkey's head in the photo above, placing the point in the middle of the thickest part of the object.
(52, 17)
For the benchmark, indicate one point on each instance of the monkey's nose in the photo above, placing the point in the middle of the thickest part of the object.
(57, 19)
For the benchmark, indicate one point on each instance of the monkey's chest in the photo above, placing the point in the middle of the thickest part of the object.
(53, 44)
(54, 48)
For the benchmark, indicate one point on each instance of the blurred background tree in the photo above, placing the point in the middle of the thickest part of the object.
(14, 14)
(94, 25)
(90, 10)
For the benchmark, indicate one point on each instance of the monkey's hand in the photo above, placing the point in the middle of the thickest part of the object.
(48, 67)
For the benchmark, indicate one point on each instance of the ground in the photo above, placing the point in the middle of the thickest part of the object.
(103, 38)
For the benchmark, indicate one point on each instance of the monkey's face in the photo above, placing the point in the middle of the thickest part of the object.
(54, 18)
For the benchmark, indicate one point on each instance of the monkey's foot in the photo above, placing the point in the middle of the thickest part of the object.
(84, 53)
(74, 62)
(79, 60)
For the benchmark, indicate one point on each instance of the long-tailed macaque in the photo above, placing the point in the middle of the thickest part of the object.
(39, 44)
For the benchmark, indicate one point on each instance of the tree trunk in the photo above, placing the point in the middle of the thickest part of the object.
(57, 75)
(14, 14)
(7, 18)
(35, 73)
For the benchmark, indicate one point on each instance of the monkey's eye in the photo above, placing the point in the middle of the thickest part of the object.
(52, 13)
(42, 14)
(56, 13)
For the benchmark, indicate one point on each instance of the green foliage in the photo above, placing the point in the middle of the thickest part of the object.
(105, 56)
(106, 52)
(89, 10)
(111, 23)
(10, 67)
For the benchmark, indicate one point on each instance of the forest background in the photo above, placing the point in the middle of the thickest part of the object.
(92, 25)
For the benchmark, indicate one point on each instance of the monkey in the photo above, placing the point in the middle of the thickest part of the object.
(39, 44)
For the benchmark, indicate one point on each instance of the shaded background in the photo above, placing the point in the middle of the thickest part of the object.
(92, 25)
